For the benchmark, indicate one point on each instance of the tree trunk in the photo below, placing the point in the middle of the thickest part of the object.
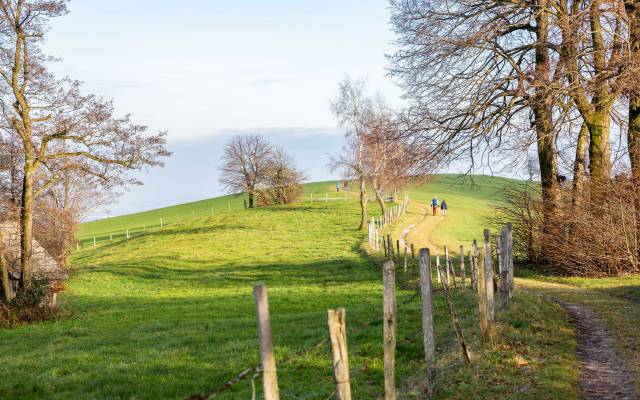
(379, 196)
(633, 136)
(599, 152)
(363, 204)
(4, 274)
(580, 165)
(251, 199)
(542, 109)
(26, 225)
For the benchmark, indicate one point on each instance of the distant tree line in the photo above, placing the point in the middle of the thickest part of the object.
(265, 172)
(490, 80)
(62, 152)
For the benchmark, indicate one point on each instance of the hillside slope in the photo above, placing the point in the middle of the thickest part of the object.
(170, 313)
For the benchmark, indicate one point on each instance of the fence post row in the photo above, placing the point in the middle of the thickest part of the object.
(339, 353)
(267, 360)
(427, 320)
(389, 329)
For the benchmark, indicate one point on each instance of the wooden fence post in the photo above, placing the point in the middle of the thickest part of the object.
(438, 266)
(462, 270)
(428, 329)
(161, 223)
(384, 245)
(405, 258)
(488, 279)
(472, 271)
(389, 329)
(504, 269)
(485, 321)
(446, 263)
(339, 353)
(413, 254)
(127, 233)
(390, 247)
(512, 284)
(267, 360)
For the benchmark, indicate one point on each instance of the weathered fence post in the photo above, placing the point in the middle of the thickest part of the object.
(384, 245)
(398, 250)
(485, 321)
(267, 360)
(456, 325)
(161, 223)
(339, 353)
(390, 247)
(326, 197)
(94, 241)
(389, 329)
(472, 271)
(405, 258)
(463, 273)
(427, 320)
(127, 233)
(446, 263)
(504, 269)
(413, 254)
(438, 266)
(488, 270)
(511, 279)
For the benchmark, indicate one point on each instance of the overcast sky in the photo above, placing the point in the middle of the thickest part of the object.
(204, 69)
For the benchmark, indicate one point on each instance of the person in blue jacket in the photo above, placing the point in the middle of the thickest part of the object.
(434, 205)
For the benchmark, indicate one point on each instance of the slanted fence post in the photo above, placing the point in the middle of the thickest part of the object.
(428, 330)
(339, 353)
(267, 360)
(463, 273)
(389, 329)
(456, 325)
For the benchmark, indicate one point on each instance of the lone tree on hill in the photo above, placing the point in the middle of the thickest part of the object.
(253, 165)
(59, 129)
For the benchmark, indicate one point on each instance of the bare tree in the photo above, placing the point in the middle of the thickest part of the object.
(56, 124)
(351, 108)
(246, 165)
(283, 183)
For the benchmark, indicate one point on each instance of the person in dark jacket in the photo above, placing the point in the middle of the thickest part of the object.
(443, 209)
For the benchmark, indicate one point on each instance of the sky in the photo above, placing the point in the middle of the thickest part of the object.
(203, 70)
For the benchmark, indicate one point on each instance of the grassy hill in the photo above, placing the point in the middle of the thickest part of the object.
(170, 313)
(116, 227)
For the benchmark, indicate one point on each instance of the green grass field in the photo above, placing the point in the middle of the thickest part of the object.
(170, 312)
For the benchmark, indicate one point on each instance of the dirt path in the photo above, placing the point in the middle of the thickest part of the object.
(603, 374)
(423, 225)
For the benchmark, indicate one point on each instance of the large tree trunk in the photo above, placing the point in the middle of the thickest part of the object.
(542, 109)
(363, 203)
(633, 136)
(580, 165)
(26, 225)
(599, 152)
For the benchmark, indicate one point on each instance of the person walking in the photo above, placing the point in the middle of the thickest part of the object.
(443, 209)
(434, 205)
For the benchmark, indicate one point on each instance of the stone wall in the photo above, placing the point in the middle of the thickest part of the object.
(43, 265)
